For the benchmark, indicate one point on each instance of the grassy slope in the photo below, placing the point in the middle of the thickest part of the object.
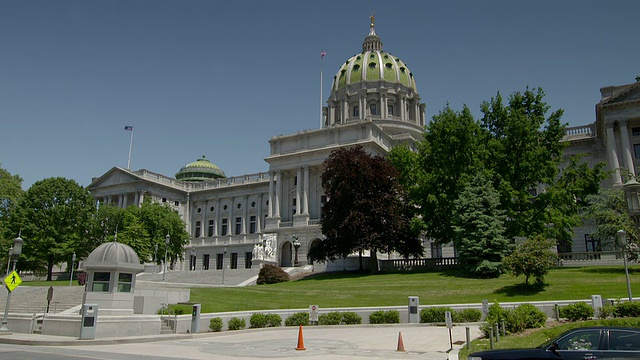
(358, 290)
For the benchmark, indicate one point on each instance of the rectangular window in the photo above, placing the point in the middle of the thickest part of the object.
(252, 224)
(101, 282)
(205, 262)
(210, 229)
(294, 202)
(234, 260)
(295, 180)
(219, 261)
(198, 229)
(635, 131)
(225, 226)
(238, 225)
(356, 111)
(124, 282)
(164, 199)
(636, 150)
(564, 247)
(176, 203)
(373, 108)
(390, 109)
(248, 256)
(436, 251)
(591, 243)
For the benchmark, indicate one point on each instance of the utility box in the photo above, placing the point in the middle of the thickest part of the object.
(414, 303)
(596, 302)
(89, 320)
(195, 318)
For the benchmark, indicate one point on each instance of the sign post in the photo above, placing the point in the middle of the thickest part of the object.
(313, 314)
(449, 322)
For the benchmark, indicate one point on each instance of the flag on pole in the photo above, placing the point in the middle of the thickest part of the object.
(323, 54)
(128, 128)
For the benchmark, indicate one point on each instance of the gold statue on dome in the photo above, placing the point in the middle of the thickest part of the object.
(373, 19)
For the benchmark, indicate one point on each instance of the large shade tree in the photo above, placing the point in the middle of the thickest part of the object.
(10, 192)
(54, 218)
(366, 208)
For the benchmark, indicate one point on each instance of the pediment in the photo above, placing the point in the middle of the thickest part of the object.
(628, 94)
(115, 176)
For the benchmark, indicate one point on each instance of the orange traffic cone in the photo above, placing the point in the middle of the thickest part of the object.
(400, 342)
(300, 340)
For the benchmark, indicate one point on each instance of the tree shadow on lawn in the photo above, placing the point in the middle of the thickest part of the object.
(609, 270)
(521, 289)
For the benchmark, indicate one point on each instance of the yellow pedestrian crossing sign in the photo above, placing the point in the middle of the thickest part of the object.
(12, 281)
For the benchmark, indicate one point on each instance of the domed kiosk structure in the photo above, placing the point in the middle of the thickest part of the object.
(111, 277)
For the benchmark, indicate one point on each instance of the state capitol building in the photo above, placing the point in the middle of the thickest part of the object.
(373, 103)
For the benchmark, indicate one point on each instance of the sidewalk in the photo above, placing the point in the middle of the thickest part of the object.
(328, 342)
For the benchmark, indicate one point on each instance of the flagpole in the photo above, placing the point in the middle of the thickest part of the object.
(130, 147)
(322, 54)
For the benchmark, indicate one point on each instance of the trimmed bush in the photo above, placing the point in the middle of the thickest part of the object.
(434, 315)
(332, 318)
(257, 320)
(576, 311)
(351, 318)
(271, 274)
(606, 312)
(297, 319)
(236, 323)
(627, 309)
(384, 317)
(533, 317)
(273, 320)
(468, 315)
(215, 324)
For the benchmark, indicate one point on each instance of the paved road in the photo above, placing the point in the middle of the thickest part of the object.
(327, 342)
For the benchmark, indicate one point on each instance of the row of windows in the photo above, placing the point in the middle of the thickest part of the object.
(373, 109)
(224, 229)
(101, 282)
(225, 207)
(220, 261)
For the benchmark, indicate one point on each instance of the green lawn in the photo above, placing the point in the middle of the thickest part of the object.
(446, 287)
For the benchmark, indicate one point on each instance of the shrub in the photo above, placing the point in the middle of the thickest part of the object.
(576, 311)
(468, 315)
(627, 309)
(271, 274)
(273, 320)
(351, 318)
(533, 317)
(495, 315)
(606, 312)
(257, 320)
(236, 323)
(297, 319)
(434, 315)
(332, 318)
(215, 324)
(384, 317)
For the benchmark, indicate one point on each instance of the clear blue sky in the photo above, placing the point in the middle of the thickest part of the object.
(221, 78)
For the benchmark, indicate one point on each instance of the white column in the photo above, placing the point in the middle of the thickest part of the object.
(270, 195)
(403, 108)
(305, 192)
(136, 200)
(298, 191)
(219, 218)
(259, 216)
(244, 214)
(345, 110)
(612, 156)
(121, 202)
(141, 199)
(626, 148)
(278, 194)
(204, 228)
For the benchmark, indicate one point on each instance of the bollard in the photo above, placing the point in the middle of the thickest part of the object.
(504, 329)
(468, 337)
(497, 332)
(491, 338)
(557, 311)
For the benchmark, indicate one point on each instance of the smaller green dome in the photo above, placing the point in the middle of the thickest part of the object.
(200, 170)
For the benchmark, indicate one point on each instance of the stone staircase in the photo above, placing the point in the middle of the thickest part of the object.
(33, 299)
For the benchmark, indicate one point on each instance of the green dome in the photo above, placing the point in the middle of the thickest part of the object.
(373, 65)
(200, 170)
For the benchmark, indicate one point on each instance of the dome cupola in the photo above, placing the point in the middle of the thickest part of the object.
(200, 170)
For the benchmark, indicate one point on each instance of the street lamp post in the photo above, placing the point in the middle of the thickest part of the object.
(155, 259)
(73, 261)
(192, 262)
(17, 250)
(296, 246)
(622, 235)
(223, 266)
(9, 260)
(167, 240)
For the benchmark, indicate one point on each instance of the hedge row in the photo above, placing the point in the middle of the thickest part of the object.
(525, 316)
(437, 315)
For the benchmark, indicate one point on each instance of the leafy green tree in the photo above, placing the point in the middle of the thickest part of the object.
(478, 229)
(10, 192)
(608, 211)
(366, 208)
(532, 258)
(54, 216)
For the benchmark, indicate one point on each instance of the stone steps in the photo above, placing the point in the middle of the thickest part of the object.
(33, 299)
